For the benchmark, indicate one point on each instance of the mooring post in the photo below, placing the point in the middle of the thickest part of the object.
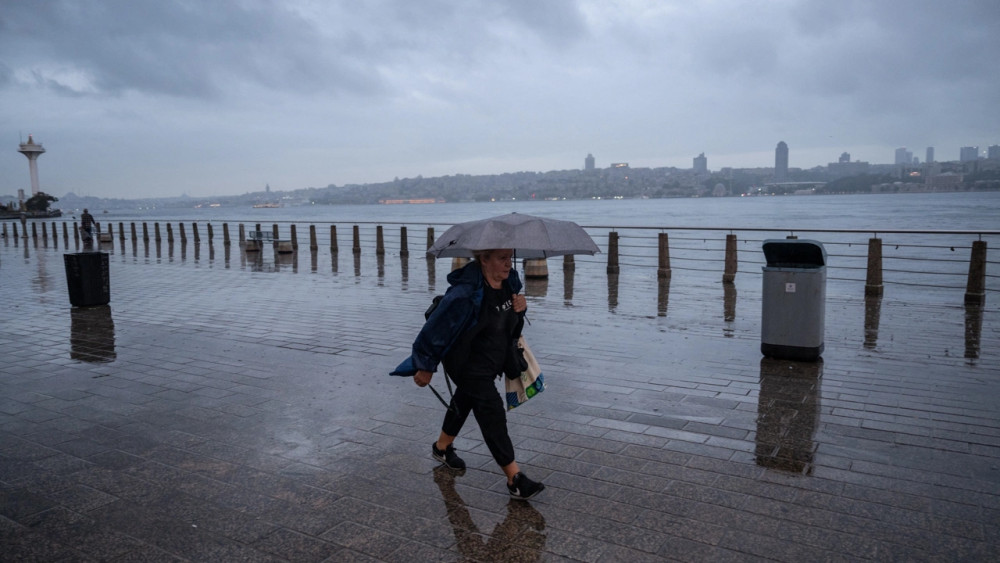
(333, 239)
(569, 263)
(613, 267)
(145, 231)
(194, 232)
(34, 230)
(15, 229)
(184, 237)
(313, 245)
(55, 232)
(225, 234)
(379, 242)
(156, 232)
(404, 247)
(975, 290)
(274, 231)
(170, 234)
(430, 238)
(241, 235)
(873, 280)
(729, 274)
(211, 233)
(357, 240)
(135, 237)
(65, 232)
(111, 231)
(295, 237)
(663, 271)
(5, 229)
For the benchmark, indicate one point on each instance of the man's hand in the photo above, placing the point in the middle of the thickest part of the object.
(422, 378)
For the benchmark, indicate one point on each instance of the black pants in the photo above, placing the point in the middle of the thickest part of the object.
(480, 396)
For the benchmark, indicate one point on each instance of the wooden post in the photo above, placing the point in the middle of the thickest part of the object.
(170, 234)
(211, 233)
(74, 230)
(729, 275)
(975, 290)
(663, 271)
(274, 231)
(873, 280)
(55, 232)
(194, 232)
(458, 262)
(34, 230)
(536, 268)
(184, 237)
(430, 238)
(225, 234)
(295, 237)
(5, 229)
(145, 231)
(45, 235)
(379, 241)
(65, 232)
(613, 267)
(569, 263)
(156, 231)
(313, 245)
(357, 240)
(121, 230)
(333, 239)
(111, 231)
(134, 236)
(241, 235)
(404, 247)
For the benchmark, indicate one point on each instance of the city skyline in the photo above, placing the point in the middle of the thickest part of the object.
(162, 99)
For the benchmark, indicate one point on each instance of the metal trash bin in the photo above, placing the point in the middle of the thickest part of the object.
(88, 278)
(793, 307)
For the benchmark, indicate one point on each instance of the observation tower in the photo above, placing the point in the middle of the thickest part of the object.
(32, 151)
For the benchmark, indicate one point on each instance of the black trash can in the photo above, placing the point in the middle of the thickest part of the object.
(88, 278)
(793, 306)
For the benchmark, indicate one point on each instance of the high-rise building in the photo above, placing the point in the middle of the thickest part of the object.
(930, 155)
(968, 154)
(701, 164)
(781, 162)
(588, 163)
(903, 156)
(993, 151)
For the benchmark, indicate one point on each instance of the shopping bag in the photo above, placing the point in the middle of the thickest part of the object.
(531, 382)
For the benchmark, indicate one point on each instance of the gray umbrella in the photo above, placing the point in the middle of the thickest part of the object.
(529, 236)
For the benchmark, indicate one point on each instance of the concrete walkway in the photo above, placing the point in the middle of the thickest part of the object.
(233, 409)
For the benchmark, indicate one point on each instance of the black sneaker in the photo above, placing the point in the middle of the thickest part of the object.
(448, 456)
(523, 488)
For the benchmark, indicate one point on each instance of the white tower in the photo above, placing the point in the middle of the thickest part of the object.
(32, 151)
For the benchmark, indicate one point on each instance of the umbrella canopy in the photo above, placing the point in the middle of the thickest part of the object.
(529, 236)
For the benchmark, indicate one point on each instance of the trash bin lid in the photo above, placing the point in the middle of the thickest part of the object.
(800, 253)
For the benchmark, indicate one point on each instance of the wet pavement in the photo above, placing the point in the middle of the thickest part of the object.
(239, 409)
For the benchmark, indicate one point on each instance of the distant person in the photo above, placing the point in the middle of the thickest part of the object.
(472, 332)
(87, 226)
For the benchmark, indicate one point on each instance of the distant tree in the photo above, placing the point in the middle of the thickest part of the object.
(40, 202)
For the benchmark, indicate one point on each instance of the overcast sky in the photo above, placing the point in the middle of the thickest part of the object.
(138, 98)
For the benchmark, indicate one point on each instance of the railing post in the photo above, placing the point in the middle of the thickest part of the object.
(379, 241)
(333, 239)
(613, 267)
(663, 272)
(729, 274)
(975, 290)
(404, 247)
(313, 245)
(873, 281)
(357, 240)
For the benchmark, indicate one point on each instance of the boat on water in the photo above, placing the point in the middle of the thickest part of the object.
(13, 215)
(266, 205)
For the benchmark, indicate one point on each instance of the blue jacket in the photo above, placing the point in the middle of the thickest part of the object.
(457, 312)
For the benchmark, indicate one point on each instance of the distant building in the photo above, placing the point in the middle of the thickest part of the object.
(619, 165)
(781, 162)
(903, 156)
(845, 167)
(993, 151)
(844, 157)
(588, 163)
(930, 155)
(968, 154)
(700, 164)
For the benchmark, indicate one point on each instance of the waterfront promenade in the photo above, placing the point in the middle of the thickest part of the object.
(239, 409)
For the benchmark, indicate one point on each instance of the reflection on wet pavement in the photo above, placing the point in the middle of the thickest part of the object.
(92, 334)
(788, 414)
(873, 311)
